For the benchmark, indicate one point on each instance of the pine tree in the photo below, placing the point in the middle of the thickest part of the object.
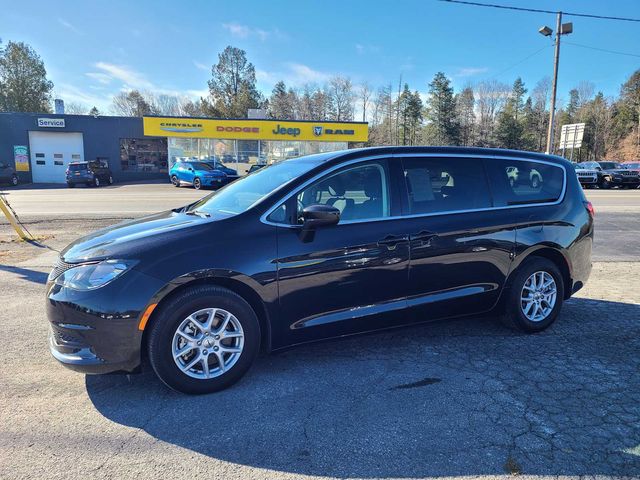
(442, 127)
(509, 131)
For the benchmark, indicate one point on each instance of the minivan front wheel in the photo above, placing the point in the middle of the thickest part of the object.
(203, 340)
(535, 296)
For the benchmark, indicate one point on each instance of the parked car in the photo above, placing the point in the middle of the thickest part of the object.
(518, 176)
(321, 246)
(622, 177)
(197, 174)
(218, 165)
(631, 165)
(8, 174)
(590, 175)
(255, 167)
(92, 173)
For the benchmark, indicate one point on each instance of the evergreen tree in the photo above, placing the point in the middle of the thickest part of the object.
(442, 127)
(233, 86)
(465, 104)
(509, 131)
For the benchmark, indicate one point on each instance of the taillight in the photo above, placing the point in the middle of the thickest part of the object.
(590, 209)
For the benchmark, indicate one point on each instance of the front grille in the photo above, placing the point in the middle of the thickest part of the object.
(63, 338)
(59, 268)
(629, 174)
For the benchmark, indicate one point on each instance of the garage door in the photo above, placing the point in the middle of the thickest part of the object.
(51, 152)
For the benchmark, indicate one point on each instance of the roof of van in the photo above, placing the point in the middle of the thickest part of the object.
(494, 152)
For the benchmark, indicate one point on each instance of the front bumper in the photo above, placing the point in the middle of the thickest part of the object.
(214, 182)
(97, 331)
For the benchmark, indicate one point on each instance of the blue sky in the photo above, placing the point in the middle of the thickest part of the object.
(95, 49)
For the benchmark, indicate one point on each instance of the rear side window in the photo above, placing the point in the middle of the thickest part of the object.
(77, 167)
(515, 182)
(445, 184)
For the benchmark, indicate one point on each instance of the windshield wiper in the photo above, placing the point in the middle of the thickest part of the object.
(199, 213)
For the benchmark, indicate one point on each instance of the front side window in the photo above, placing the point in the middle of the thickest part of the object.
(516, 182)
(360, 192)
(437, 185)
(239, 196)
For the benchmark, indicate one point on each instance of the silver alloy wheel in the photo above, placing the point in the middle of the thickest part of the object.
(538, 296)
(207, 343)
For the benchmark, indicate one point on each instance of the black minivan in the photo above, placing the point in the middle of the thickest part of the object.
(322, 246)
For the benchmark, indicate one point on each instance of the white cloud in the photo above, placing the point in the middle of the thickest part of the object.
(72, 94)
(239, 30)
(100, 77)
(470, 71)
(293, 75)
(69, 26)
(201, 66)
(130, 77)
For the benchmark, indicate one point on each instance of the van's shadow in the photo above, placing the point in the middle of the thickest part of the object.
(457, 398)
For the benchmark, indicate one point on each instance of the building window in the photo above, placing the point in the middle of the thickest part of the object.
(40, 162)
(57, 155)
(39, 155)
(145, 155)
(58, 162)
(75, 156)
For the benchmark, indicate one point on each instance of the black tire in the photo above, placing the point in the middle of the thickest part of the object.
(535, 182)
(197, 183)
(14, 180)
(605, 184)
(170, 316)
(513, 316)
(71, 185)
(175, 181)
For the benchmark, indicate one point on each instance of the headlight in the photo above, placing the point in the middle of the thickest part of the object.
(93, 275)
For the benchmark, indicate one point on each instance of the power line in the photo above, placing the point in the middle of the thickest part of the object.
(520, 62)
(602, 49)
(536, 10)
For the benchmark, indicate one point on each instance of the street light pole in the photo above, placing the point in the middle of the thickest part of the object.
(552, 106)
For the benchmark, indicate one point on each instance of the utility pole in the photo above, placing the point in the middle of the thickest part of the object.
(552, 106)
(546, 31)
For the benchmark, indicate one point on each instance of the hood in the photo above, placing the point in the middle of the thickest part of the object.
(126, 240)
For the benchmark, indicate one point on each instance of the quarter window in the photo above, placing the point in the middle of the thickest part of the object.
(360, 192)
(515, 182)
(445, 184)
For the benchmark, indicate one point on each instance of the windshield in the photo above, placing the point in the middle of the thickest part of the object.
(200, 166)
(242, 194)
(74, 167)
(610, 165)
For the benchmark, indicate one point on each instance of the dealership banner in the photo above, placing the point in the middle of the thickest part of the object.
(256, 129)
(21, 157)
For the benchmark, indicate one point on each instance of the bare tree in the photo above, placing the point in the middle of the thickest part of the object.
(490, 97)
(340, 99)
(75, 108)
(364, 93)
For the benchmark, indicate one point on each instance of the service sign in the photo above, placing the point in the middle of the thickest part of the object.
(51, 122)
(21, 158)
(256, 129)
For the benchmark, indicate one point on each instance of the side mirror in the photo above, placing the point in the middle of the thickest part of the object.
(319, 216)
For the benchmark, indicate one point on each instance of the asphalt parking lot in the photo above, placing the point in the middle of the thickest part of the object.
(458, 398)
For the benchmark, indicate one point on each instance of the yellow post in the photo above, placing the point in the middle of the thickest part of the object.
(13, 221)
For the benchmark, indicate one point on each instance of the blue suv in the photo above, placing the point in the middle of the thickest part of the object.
(197, 174)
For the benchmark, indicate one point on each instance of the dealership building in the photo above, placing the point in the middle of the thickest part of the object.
(140, 148)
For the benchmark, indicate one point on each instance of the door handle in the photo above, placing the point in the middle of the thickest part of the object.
(424, 236)
(391, 241)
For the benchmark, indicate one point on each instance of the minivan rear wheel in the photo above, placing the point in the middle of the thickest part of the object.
(203, 340)
(535, 296)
